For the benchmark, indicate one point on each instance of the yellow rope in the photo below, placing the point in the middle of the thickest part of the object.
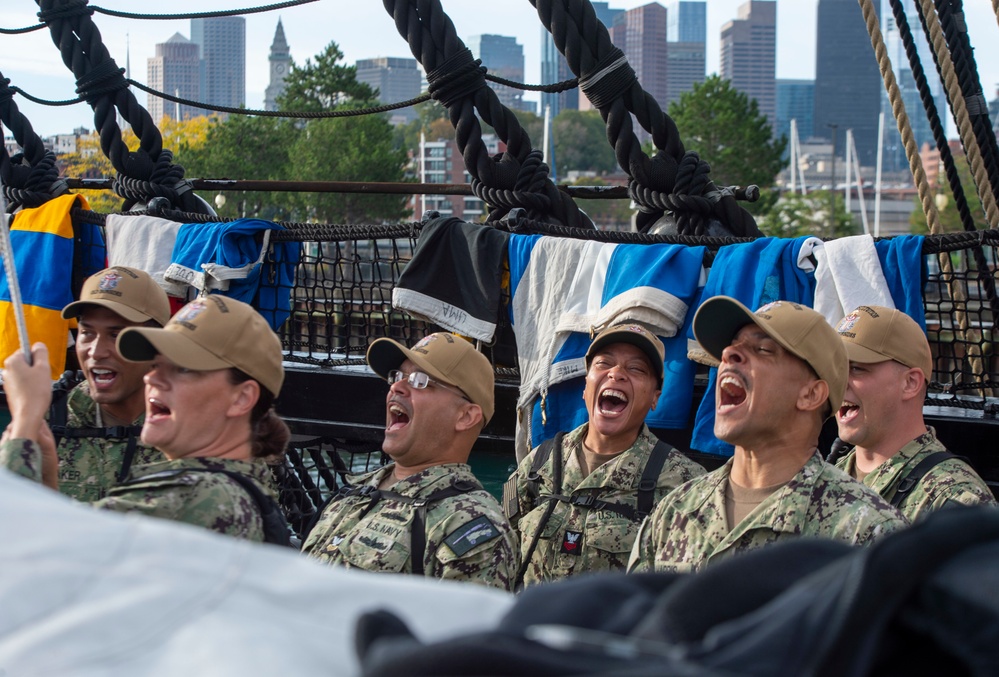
(963, 119)
(958, 291)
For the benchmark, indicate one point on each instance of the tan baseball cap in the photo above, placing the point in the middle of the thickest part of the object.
(130, 292)
(799, 329)
(636, 335)
(444, 357)
(877, 334)
(212, 332)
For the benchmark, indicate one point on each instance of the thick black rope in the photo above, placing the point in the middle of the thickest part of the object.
(516, 178)
(143, 174)
(31, 177)
(610, 84)
(950, 167)
(955, 31)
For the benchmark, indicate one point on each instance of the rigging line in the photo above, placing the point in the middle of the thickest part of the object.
(171, 17)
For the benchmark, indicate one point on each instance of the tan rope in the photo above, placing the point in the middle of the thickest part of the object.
(963, 119)
(957, 289)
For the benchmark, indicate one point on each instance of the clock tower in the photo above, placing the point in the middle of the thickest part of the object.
(280, 60)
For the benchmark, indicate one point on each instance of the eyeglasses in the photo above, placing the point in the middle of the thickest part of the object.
(420, 381)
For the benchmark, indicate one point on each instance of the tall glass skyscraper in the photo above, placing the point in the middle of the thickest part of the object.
(686, 35)
(223, 59)
(847, 80)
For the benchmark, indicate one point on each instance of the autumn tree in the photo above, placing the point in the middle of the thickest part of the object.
(727, 129)
(950, 218)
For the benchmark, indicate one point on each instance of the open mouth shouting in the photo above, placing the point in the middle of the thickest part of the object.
(103, 378)
(848, 412)
(732, 391)
(611, 402)
(398, 417)
(156, 410)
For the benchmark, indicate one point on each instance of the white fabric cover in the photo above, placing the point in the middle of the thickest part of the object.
(85, 592)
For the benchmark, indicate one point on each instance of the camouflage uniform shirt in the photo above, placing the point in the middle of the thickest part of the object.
(89, 466)
(176, 490)
(952, 480)
(467, 537)
(578, 538)
(688, 530)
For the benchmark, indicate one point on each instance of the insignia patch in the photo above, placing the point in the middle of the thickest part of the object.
(471, 534)
(190, 311)
(109, 282)
(847, 323)
(425, 341)
(635, 328)
(572, 543)
(337, 540)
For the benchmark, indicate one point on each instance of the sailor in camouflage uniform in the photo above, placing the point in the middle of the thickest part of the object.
(590, 521)
(783, 371)
(104, 414)
(214, 371)
(893, 451)
(425, 513)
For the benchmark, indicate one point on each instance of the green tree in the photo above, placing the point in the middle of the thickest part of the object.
(728, 131)
(794, 215)
(581, 142)
(348, 149)
(246, 147)
(323, 85)
(950, 220)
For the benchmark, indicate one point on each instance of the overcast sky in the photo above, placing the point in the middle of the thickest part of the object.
(363, 29)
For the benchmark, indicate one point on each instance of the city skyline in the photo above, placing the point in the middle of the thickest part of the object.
(32, 62)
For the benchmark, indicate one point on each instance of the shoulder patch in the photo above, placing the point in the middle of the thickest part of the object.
(178, 476)
(471, 534)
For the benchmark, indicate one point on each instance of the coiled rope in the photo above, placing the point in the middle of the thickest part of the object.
(516, 178)
(143, 174)
(673, 181)
(31, 177)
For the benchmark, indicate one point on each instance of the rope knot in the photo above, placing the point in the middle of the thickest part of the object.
(456, 78)
(70, 9)
(6, 93)
(610, 78)
(102, 79)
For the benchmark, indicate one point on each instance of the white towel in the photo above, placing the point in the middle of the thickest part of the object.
(848, 275)
(143, 242)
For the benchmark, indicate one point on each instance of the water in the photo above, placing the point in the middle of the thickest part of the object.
(492, 469)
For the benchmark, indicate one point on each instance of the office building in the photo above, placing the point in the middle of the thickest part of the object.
(280, 63)
(440, 161)
(686, 37)
(641, 34)
(222, 41)
(174, 70)
(749, 54)
(395, 79)
(795, 101)
(504, 57)
(847, 80)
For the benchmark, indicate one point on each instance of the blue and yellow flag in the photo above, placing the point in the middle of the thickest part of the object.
(42, 239)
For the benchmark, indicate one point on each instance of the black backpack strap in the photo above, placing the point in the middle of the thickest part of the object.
(910, 481)
(59, 408)
(650, 478)
(276, 528)
(547, 448)
(838, 450)
(418, 529)
(126, 461)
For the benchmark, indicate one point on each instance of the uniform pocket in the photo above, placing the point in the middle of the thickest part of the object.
(615, 535)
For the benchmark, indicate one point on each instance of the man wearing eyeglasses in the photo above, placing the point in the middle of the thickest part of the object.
(425, 513)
